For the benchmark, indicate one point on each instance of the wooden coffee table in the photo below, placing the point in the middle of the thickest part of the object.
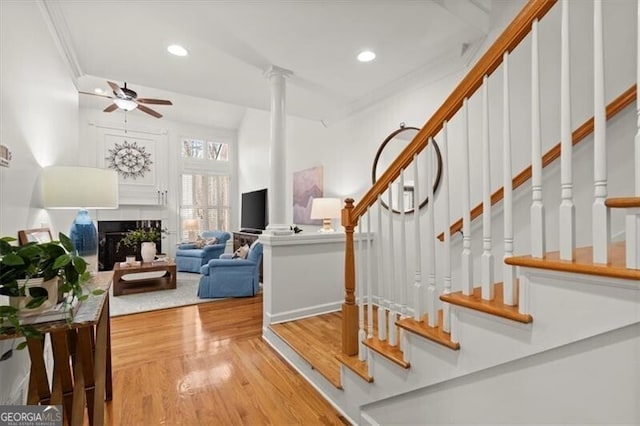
(140, 285)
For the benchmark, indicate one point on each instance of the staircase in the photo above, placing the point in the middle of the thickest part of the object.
(427, 337)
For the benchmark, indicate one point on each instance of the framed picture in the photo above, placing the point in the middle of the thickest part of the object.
(307, 185)
(39, 235)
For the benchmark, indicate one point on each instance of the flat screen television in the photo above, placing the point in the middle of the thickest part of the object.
(254, 211)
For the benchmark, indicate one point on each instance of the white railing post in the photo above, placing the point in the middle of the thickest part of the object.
(392, 340)
(467, 262)
(362, 355)
(403, 249)
(567, 232)
(369, 277)
(446, 308)
(418, 287)
(600, 212)
(632, 219)
(487, 255)
(637, 139)
(430, 235)
(508, 271)
(537, 207)
(382, 322)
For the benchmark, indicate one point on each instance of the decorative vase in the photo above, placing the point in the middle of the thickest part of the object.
(52, 297)
(148, 251)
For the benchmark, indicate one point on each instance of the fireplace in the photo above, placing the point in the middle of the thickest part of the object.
(110, 232)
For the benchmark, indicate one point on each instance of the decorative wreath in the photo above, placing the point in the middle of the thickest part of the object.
(129, 160)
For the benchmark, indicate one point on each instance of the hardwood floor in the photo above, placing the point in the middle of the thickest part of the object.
(206, 364)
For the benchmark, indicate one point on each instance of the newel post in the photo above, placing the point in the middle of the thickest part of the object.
(349, 307)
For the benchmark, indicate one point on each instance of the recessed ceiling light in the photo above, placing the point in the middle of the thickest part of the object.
(366, 56)
(176, 49)
(99, 91)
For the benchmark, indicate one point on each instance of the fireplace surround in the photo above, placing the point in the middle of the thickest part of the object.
(110, 232)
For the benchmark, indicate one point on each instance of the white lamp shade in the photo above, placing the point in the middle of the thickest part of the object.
(326, 208)
(190, 224)
(79, 188)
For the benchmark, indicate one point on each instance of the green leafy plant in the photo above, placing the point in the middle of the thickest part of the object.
(55, 259)
(135, 237)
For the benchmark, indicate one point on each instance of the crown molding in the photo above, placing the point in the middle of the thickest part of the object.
(59, 30)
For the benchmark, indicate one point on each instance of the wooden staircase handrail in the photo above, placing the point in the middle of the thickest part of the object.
(506, 42)
(618, 104)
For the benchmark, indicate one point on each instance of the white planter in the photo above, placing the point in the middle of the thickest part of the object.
(20, 302)
(148, 251)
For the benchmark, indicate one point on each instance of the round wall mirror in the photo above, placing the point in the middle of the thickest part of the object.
(389, 150)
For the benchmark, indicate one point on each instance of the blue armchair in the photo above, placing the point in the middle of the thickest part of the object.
(231, 277)
(189, 258)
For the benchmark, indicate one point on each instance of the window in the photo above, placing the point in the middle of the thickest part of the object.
(206, 199)
(203, 150)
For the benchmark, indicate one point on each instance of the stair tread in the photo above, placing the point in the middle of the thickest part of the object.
(583, 263)
(494, 307)
(392, 353)
(622, 202)
(435, 334)
(355, 365)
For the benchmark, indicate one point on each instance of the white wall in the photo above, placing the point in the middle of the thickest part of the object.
(588, 382)
(40, 127)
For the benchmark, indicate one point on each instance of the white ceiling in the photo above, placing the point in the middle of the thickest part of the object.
(232, 43)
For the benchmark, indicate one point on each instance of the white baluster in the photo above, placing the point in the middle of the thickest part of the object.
(446, 308)
(392, 286)
(600, 212)
(467, 262)
(430, 235)
(537, 207)
(382, 322)
(369, 277)
(418, 285)
(487, 255)
(632, 219)
(567, 232)
(508, 271)
(403, 249)
(362, 352)
(637, 141)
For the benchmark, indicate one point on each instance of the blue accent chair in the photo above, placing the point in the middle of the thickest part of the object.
(228, 277)
(189, 258)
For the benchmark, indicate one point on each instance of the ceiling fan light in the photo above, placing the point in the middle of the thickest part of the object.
(176, 49)
(125, 104)
(366, 56)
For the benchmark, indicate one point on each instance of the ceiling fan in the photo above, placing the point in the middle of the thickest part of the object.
(128, 100)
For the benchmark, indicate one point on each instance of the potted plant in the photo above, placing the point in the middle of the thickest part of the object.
(145, 238)
(26, 274)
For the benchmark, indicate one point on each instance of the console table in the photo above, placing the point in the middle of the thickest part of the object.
(82, 359)
(245, 238)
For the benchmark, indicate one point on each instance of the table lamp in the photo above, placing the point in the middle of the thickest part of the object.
(81, 188)
(191, 226)
(326, 209)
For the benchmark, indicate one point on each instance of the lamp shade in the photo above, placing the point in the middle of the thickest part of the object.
(79, 187)
(326, 208)
(190, 224)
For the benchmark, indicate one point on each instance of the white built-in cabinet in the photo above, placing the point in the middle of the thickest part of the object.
(141, 159)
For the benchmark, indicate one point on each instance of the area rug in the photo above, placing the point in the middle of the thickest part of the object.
(185, 294)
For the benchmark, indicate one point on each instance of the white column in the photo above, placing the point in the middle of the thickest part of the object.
(382, 322)
(467, 262)
(392, 284)
(537, 207)
(403, 249)
(369, 277)
(431, 243)
(446, 258)
(277, 151)
(487, 255)
(600, 212)
(417, 286)
(567, 230)
(362, 334)
(508, 271)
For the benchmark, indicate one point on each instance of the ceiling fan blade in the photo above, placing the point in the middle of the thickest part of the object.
(116, 89)
(154, 101)
(95, 94)
(110, 108)
(149, 111)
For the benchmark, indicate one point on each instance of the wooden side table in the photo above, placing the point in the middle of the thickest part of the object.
(166, 282)
(82, 359)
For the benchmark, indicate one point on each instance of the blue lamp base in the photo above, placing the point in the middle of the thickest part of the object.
(84, 237)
